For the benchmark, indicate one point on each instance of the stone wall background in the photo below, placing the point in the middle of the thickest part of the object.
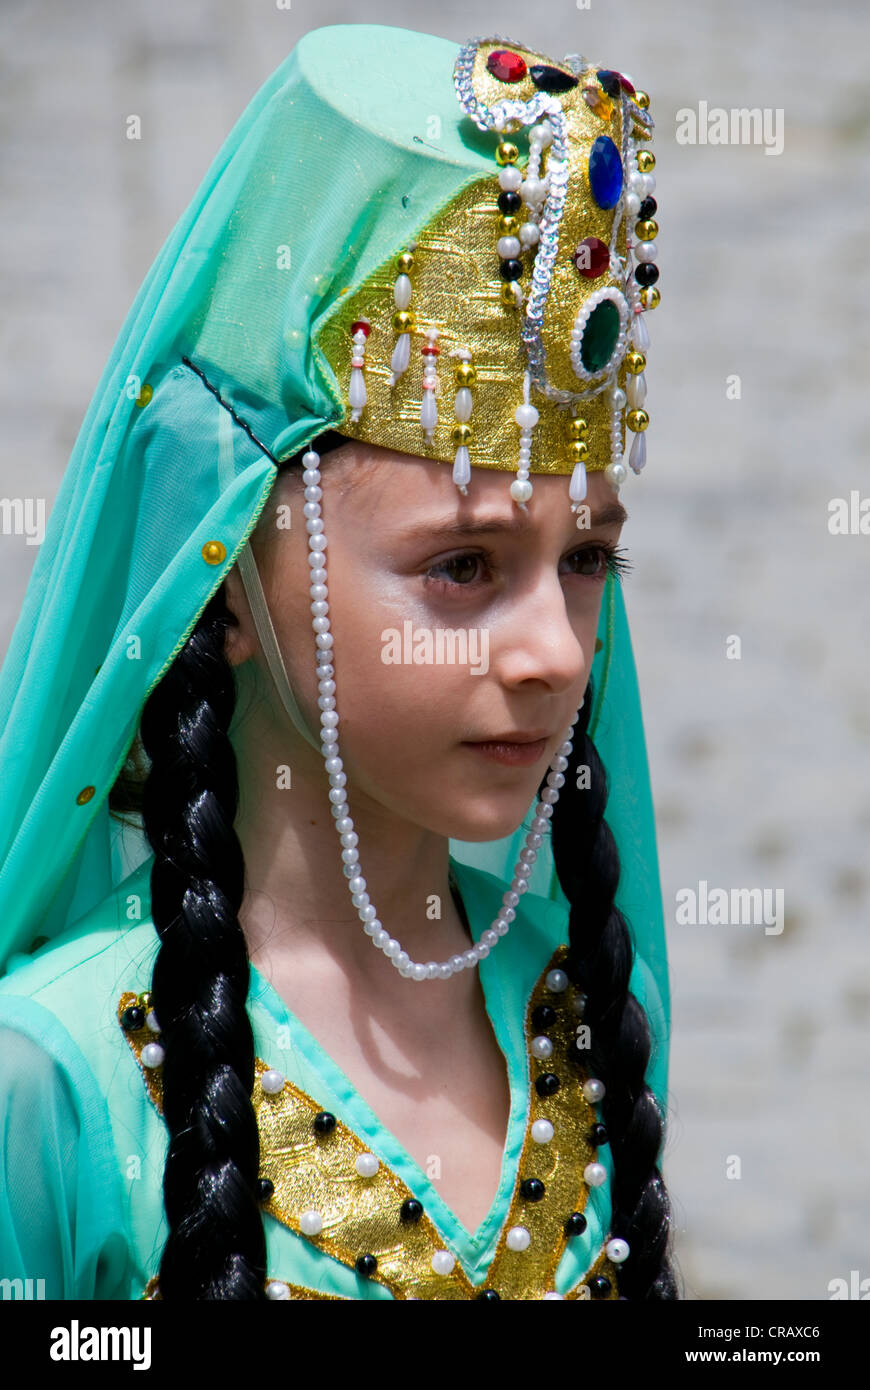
(759, 766)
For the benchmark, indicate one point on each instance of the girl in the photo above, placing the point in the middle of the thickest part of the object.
(365, 1019)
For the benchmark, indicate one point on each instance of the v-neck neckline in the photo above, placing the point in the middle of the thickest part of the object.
(473, 1249)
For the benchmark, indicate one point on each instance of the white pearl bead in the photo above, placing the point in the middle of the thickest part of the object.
(518, 1238)
(272, 1082)
(617, 1250)
(311, 1222)
(526, 416)
(521, 490)
(593, 1090)
(553, 1295)
(530, 234)
(542, 134)
(542, 1131)
(510, 178)
(595, 1174)
(508, 247)
(443, 1262)
(418, 972)
(402, 292)
(490, 937)
(557, 980)
(646, 251)
(151, 1021)
(276, 1289)
(152, 1055)
(632, 204)
(617, 398)
(541, 1047)
(533, 190)
(366, 1165)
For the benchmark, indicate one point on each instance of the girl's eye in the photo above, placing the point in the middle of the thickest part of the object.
(593, 562)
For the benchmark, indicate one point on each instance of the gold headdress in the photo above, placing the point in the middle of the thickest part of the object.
(534, 280)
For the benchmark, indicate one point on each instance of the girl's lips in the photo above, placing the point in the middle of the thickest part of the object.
(511, 754)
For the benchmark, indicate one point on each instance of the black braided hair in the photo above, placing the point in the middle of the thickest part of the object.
(216, 1247)
(601, 954)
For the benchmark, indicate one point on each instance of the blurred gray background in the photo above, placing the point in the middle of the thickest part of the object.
(759, 765)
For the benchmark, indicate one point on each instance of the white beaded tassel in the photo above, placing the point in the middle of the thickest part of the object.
(428, 404)
(463, 404)
(401, 358)
(329, 720)
(357, 393)
(526, 417)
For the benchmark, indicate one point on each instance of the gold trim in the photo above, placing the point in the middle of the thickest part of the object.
(362, 1215)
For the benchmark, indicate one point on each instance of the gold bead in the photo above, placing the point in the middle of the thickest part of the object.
(464, 374)
(508, 298)
(403, 320)
(405, 262)
(577, 427)
(578, 450)
(144, 395)
(85, 795)
(647, 231)
(508, 226)
(461, 434)
(144, 999)
(214, 552)
(650, 297)
(641, 99)
(506, 152)
(635, 362)
(637, 420)
(646, 161)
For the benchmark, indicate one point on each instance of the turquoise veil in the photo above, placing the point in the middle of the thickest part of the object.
(323, 165)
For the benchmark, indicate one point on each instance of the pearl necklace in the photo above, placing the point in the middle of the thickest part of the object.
(379, 936)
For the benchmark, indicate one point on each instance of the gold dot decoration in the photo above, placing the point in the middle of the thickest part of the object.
(637, 420)
(144, 396)
(85, 795)
(646, 161)
(641, 99)
(635, 362)
(214, 552)
(650, 297)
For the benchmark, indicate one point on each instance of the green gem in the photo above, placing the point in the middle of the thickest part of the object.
(599, 336)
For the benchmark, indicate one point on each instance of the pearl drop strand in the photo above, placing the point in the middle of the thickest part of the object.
(380, 938)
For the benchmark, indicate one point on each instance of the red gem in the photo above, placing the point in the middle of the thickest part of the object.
(506, 65)
(430, 351)
(361, 324)
(592, 257)
(625, 84)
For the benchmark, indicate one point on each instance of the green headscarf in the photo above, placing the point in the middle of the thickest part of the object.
(325, 172)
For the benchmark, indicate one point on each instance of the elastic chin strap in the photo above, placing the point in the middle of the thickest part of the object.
(269, 642)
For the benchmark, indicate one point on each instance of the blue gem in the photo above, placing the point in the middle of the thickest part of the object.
(605, 172)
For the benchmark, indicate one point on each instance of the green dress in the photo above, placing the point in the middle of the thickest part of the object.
(81, 1196)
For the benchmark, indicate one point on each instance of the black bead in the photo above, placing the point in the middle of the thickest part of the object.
(646, 273)
(509, 202)
(324, 1123)
(576, 1224)
(510, 269)
(547, 1084)
(609, 81)
(532, 1189)
(265, 1188)
(488, 1296)
(133, 1019)
(646, 209)
(600, 1286)
(598, 1135)
(543, 1017)
(412, 1210)
(548, 79)
(366, 1265)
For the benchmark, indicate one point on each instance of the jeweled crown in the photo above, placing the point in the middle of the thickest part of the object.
(533, 280)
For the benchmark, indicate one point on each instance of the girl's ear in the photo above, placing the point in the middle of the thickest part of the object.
(240, 643)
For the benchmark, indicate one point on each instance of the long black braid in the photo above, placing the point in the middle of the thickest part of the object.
(216, 1246)
(601, 954)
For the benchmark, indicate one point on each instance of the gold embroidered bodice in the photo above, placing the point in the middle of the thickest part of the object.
(312, 1169)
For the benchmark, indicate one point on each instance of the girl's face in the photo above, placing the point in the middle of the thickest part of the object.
(456, 620)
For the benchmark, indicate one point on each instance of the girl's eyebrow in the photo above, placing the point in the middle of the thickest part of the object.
(443, 528)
